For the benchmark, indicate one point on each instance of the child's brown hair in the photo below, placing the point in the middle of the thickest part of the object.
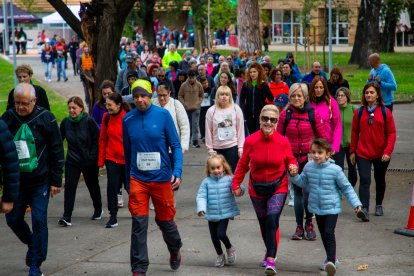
(226, 166)
(323, 144)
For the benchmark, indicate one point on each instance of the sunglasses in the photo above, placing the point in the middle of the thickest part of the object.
(371, 118)
(266, 119)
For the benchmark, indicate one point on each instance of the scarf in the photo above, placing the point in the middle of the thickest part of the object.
(76, 119)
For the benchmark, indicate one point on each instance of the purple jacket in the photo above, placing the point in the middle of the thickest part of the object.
(97, 114)
(331, 117)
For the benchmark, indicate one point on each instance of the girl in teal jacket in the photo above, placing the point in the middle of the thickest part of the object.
(325, 182)
(215, 202)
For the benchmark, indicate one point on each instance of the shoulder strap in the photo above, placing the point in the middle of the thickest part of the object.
(107, 119)
(311, 115)
(287, 120)
(384, 115)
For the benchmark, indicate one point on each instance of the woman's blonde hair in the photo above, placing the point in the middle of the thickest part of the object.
(224, 89)
(270, 107)
(226, 166)
(299, 87)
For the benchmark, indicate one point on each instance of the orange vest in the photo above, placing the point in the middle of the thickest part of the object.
(87, 63)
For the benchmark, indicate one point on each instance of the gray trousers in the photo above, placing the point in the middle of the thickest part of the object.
(194, 118)
(139, 248)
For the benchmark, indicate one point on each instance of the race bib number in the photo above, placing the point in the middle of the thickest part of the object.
(225, 128)
(22, 149)
(148, 161)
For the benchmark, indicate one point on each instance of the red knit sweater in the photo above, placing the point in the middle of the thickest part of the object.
(111, 146)
(266, 157)
(373, 141)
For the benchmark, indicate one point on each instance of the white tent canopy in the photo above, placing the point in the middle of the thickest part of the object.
(55, 17)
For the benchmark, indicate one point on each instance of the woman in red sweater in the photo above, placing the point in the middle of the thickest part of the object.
(372, 143)
(268, 156)
(277, 85)
(111, 152)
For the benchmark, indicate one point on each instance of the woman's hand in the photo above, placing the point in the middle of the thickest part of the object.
(358, 209)
(293, 170)
(352, 158)
(240, 152)
(385, 158)
(201, 214)
(237, 192)
(213, 152)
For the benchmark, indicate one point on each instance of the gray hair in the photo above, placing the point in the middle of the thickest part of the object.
(299, 87)
(23, 88)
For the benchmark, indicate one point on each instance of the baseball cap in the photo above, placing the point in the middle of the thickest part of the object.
(141, 87)
(129, 57)
(281, 100)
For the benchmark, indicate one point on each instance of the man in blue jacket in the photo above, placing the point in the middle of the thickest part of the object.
(149, 133)
(383, 75)
(9, 170)
(44, 180)
(316, 71)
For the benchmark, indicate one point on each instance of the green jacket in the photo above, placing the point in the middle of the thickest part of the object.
(347, 113)
(168, 57)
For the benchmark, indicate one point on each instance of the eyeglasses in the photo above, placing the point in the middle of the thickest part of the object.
(340, 96)
(215, 168)
(371, 118)
(266, 119)
(162, 95)
(24, 104)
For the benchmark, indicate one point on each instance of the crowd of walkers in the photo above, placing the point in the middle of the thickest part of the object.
(291, 132)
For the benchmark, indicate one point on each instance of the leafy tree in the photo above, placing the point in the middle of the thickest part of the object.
(222, 12)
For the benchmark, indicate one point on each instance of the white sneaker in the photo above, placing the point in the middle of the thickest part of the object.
(120, 201)
(330, 269)
(221, 259)
(231, 255)
(291, 202)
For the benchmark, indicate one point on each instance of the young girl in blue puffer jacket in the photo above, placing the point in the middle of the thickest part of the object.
(325, 182)
(216, 202)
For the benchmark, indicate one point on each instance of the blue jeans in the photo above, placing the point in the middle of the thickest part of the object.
(60, 65)
(48, 70)
(38, 199)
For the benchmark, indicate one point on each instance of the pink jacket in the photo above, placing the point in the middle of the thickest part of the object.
(300, 132)
(331, 117)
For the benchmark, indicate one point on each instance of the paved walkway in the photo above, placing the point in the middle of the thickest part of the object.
(87, 248)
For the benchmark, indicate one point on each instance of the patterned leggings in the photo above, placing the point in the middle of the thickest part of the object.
(268, 212)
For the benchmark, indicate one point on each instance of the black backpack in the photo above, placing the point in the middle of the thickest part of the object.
(311, 116)
(384, 115)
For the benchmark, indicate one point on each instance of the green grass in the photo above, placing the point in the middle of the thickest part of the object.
(401, 65)
(57, 103)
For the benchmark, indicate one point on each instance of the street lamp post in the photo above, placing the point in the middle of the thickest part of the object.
(330, 35)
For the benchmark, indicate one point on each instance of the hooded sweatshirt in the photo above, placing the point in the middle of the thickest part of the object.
(388, 84)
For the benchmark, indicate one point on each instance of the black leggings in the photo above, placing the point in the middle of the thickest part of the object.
(326, 225)
(218, 233)
(364, 169)
(301, 201)
(116, 176)
(339, 158)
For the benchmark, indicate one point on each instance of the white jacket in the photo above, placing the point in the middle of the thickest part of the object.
(180, 118)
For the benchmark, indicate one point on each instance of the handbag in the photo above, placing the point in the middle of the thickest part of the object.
(266, 188)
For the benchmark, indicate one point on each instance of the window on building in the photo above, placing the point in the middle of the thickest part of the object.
(284, 24)
(339, 26)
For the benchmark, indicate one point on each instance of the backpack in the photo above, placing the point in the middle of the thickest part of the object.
(384, 115)
(26, 146)
(311, 116)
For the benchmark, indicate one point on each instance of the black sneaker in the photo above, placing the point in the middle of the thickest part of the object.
(310, 233)
(64, 221)
(175, 260)
(195, 145)
(97, 215)
(379, 211)
(363, 214)
(299, 233)
(112, 222)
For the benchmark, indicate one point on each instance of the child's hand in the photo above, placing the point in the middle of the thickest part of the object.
(293, 170)
(237, 192)
(358, 209)
(201, 214)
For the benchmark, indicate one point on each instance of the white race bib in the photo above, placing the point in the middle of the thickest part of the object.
(148, 161)
(225, 128)
(22, 149)
(206, 100)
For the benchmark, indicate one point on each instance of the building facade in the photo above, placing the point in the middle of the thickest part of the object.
(286, 18)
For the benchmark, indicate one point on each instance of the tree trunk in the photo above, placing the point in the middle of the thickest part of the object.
(102, 22)
(146, 13)
(248, 25)
(367, 35)
(199, 21)
(388, 34)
